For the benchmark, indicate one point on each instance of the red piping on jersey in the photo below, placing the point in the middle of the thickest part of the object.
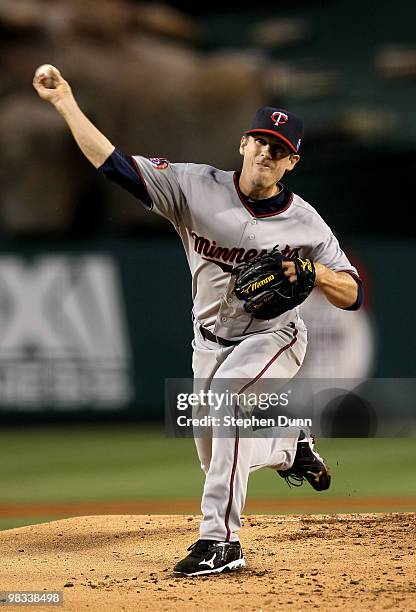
(231, 494)
(143, 181)
(273, 359)
(274, 134)
(244, 201)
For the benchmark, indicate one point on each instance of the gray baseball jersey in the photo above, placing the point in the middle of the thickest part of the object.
(218, 231)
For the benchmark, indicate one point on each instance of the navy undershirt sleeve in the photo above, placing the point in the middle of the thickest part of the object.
(121, 169)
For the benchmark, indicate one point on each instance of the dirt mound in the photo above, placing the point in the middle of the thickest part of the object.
(351, 562)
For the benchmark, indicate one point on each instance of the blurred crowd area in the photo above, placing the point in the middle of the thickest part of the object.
(183, 80)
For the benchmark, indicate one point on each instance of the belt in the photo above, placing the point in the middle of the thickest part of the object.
(207, 335)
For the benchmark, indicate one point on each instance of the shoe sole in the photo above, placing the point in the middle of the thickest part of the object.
(322, 484)
(324, 477)
(233, 566)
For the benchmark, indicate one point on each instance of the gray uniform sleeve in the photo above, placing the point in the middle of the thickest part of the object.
(329, 253)
(163, 184)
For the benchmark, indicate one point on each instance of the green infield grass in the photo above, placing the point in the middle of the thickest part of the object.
(133, 463)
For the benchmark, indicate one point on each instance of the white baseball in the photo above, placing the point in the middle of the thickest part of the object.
(46, 72)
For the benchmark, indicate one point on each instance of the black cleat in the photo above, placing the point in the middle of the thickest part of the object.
(308, 465)
(210, 557)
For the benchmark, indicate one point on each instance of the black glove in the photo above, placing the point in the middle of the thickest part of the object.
(266, 291)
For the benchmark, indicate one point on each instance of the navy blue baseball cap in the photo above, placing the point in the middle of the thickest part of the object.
(280, 123)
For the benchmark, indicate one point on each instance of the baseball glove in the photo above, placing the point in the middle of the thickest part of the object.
(264, 288)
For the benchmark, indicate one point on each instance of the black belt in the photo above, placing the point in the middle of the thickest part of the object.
(207, 335)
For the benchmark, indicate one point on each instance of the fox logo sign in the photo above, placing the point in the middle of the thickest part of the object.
(63, 340)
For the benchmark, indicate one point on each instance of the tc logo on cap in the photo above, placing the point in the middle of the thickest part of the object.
(279, 118)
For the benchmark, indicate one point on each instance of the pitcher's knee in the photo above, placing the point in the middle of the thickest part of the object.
(205, 463)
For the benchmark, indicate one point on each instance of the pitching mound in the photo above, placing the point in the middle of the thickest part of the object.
(351, 562)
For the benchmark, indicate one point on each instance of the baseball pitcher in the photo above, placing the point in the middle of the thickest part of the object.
(255, 251)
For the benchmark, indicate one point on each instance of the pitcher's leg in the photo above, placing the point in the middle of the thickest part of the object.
(273, 451)
(268, 355)
(206, 360)
(225, 487)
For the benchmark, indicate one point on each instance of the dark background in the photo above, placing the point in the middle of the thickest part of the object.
(182, 80)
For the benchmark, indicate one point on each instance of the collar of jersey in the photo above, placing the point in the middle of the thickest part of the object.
(268, 207)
